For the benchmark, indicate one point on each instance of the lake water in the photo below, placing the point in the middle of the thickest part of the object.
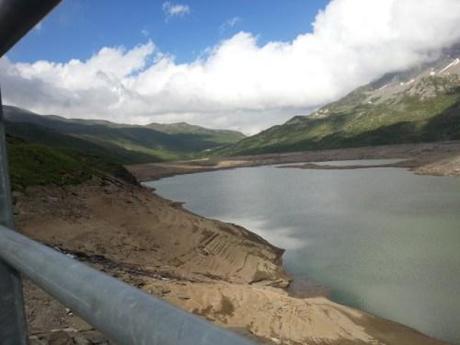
(383, 239)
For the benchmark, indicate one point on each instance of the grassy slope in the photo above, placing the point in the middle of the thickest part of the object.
(217, 136)
(52, 150)
(135, 144)
(354, 122)
(35, 164)
(43, 136)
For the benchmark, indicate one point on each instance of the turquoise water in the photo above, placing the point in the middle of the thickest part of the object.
(383, 239)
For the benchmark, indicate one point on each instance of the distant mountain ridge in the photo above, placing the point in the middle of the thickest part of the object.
(421, 104)
(220, 136)
(121, 142)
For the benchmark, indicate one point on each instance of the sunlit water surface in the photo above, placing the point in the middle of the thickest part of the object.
(383, 239)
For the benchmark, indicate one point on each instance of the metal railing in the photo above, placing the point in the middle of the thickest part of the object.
(126, 314)
(12, 319)
(123, 313)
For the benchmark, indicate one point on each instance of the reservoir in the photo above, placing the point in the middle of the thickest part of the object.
(380, 239)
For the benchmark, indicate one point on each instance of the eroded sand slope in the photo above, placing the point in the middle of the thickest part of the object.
(219, 271)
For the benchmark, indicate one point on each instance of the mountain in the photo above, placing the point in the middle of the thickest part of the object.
(219, 136)
(418, 105)
(119, 142)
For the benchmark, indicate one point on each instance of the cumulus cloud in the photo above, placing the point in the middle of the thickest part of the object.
(175, 10)
(240, 83)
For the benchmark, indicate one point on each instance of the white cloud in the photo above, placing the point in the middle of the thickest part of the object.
(229, 23)
(175, 10)
(240, 83)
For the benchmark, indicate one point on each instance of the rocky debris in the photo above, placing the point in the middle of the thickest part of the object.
(70, 337)
(444, 167)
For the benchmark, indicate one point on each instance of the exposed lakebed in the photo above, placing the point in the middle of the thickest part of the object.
(381, 239)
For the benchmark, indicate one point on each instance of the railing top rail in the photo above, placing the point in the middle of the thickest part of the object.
(17, 17)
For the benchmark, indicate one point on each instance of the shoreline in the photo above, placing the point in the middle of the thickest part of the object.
(437, 159)
(221, 271)
(420, 159)
(417, 163)
(307, 288)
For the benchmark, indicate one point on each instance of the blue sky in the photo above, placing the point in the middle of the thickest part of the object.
(79, 28)
(240, 64)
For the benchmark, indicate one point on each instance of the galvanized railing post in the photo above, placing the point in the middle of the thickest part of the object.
(12, 320)
(17, 17)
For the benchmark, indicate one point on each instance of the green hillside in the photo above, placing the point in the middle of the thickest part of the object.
(421, 105)
(122, 143)
(218, 136)
(47, 150)
(37, 134)
(35, 164)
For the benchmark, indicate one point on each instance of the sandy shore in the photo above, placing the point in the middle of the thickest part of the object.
(220, 271)
(441, 158)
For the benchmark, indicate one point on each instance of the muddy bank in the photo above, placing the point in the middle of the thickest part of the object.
(449, 166)
(426, 158)
(220, 271)
(403, 164)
